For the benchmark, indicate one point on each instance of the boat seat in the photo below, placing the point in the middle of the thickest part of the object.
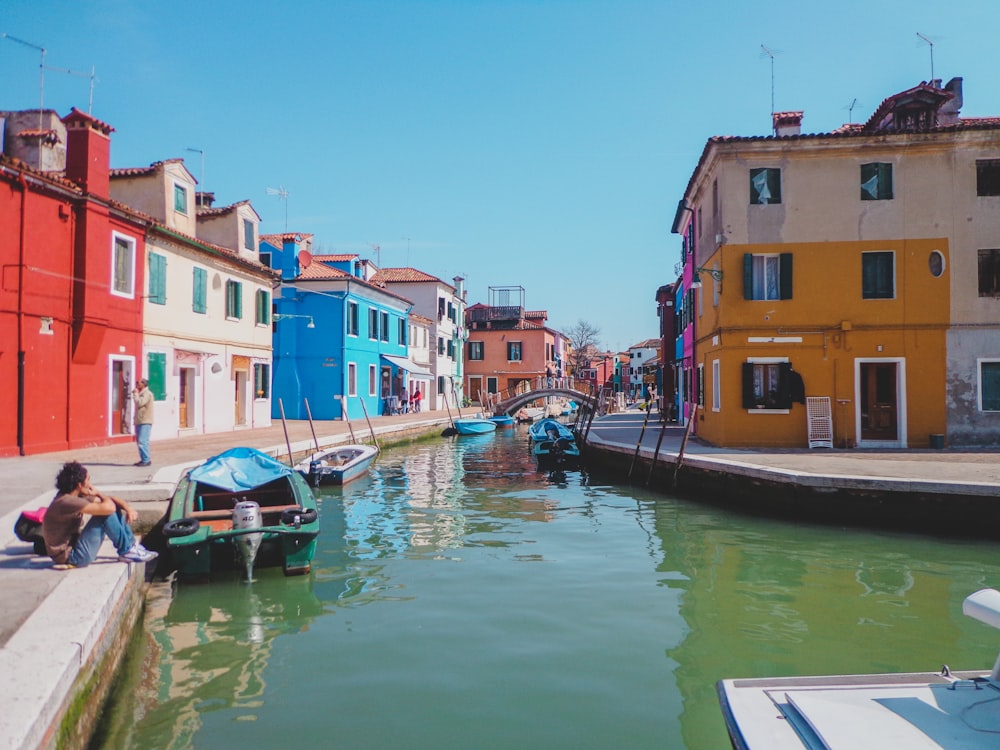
(209, 515)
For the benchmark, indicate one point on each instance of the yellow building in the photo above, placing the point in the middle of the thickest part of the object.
(853, 265)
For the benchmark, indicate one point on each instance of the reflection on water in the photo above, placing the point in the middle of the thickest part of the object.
(460, 598)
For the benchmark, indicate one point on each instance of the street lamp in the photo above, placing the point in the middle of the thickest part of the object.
(282, 316)
(715, 273)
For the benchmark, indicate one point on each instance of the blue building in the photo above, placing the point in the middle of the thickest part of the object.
(338, 338)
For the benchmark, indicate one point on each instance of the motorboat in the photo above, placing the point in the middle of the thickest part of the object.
(474, 426)
(544, 429)
(530, 415)
(246, 504)
(553, 443)
(946, 709)
(337, 465)
(569, 408)
(502, 420)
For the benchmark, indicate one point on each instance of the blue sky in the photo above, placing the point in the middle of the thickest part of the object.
(542, 144)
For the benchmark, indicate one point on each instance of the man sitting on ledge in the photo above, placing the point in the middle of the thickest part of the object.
(71, 547)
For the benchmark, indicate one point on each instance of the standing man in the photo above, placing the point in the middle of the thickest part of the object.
(143, 398)
(67, 544)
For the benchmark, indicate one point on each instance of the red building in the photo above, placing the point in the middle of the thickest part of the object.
(71, 288)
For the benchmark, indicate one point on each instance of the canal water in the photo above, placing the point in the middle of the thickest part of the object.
(462, 599)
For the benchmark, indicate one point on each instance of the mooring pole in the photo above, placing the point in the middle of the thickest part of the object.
(350, 427)
(288, 443)
(684, 442)
(656, 453)
(369, 421)
(311, 428)
(638, 445)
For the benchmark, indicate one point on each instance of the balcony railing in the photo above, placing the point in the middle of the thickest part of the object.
(488, 314)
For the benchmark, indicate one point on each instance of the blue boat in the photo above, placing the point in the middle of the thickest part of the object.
(549, 429)
(553, 443)
(474, 426)
(502, 420)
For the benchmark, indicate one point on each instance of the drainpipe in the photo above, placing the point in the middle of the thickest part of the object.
(20, 315)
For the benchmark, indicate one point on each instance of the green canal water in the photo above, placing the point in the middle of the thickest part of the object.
(462, 599)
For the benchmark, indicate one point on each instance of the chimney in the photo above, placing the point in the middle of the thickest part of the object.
(948, 113)
(36, 137)
(204, 200)
(786, 123)
(88, 152)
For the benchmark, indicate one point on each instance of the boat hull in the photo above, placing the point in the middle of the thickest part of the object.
(337, 466)
(502, 420)
(471, 426)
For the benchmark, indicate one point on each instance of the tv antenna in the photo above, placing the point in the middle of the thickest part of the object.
(282, 195)
(378, 254)
(930, 43)
(768, 52)
(850, 110)
(202, 153)
(42, 67)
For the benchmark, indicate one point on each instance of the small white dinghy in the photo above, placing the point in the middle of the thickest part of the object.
(337, 465)
(916, 711)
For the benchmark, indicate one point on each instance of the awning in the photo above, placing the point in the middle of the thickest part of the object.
(407, 364)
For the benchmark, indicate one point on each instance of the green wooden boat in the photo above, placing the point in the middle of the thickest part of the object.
(245, 506)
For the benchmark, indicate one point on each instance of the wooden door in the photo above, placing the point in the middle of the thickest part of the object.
(879, 407)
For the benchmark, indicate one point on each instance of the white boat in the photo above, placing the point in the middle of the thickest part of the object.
(941, 710)
(337, 465)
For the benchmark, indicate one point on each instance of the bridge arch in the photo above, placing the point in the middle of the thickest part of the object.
(512, 404)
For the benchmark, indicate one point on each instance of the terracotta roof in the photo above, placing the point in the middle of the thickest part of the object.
(213, 211)
(647, 344)
(402, 276)
(345, 258)
(156, 166)
(421, 319)
(76, 116)
(49, 136)
(321, 271)
(56, 179)
(283, 237)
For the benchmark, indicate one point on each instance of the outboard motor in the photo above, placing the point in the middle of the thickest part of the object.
(246, 515)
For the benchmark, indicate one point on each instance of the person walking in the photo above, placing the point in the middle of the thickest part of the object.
(67, 544)
(143, 398)
(417, 397)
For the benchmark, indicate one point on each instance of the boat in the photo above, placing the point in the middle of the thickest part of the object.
(918, 710)
(248, 504)
(474, 426)
(530, 414)
(337, 465)
(553, 443)
(569, 408)
(502, 420)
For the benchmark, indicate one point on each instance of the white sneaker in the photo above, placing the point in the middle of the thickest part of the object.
(138, 554)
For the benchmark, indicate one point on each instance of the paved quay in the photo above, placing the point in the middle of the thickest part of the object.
(54, 625)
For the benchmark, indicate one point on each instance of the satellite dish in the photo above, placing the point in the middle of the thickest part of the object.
(305, 258)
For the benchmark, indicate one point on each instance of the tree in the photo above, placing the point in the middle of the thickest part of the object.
(585, 340)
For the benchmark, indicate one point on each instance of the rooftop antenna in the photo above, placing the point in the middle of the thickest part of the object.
(930, 43)
(282, 195)
(202, 153)
(42, 67)
(768, 52)
(378, 254)
(850, 110)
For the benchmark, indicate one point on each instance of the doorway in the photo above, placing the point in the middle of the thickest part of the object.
(476, 388)
(880, 403)
(240, 379)
(185, 405)
(120, 401)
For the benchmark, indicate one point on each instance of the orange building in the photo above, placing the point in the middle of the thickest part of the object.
(848, 266)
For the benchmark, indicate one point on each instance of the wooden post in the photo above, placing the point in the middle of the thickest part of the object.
(311, 428)
(369, 421)
(656, 453)
(350, 427)
(638, 445)
(684, 442)
(281, 408)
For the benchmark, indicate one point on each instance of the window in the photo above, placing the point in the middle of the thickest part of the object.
(476, 350)
(451, 312)
(877, 276)
(716, 383)
(157, 279)
(876, 182)
(989, 273)
(263, 307)
(701, 385)
(767, 384)
(123, 266)
(451, 349)
(353, 321)
(199, 290)
(440, 346)
(372, 380)
(248, 234)
(262, 380)
(402, 331)
(234, 299)
(441, 308)
(935, 263)
(765, 186)
(352, 379)
(373, 324)
(989, 385)
(265, 259)
(513, 351)
(767, 277)
(385, 326)
(987, 177)
(180, 199)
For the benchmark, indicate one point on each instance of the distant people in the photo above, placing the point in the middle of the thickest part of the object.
(143, 398)
(417, 397)
(649, 396)
(67, 544)
(548, 375)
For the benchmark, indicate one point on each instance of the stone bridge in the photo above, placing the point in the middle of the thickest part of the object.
(511, 404)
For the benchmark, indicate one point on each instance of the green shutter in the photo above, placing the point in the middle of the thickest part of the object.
(157, 279)
(747, 275)
(263, 307)
(156, 374)
(199, 291)
(748, 397)
(785, 275)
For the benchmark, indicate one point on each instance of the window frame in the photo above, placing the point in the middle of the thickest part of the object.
(352, 378)
(353, 318)
(772, 181)
(128, 246)
(181, 199)
(262, 307)
(248, 235)
(784, 279)
(261, 377)
(384, 326)
(881, 173)
(754, 362)
(716, 384)
(234, 299)
(995, 400)
(878, 293)
(993, 256)
(477, 347)
(987, 178)
(373, 324)
(515, 347)
(372, 380)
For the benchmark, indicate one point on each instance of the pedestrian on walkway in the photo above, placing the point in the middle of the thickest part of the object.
(417, 397)
(143, 398)
(66, 543)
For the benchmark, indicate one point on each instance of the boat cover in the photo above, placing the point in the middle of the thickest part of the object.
(240, 469)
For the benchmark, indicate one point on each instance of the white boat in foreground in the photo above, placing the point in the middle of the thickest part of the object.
(949, 710)
(337, 465)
